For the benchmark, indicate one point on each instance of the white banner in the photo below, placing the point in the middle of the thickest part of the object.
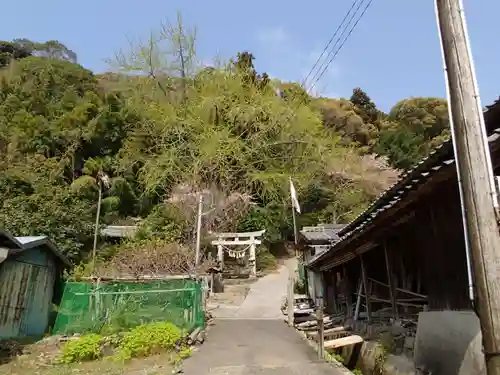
(293, 194)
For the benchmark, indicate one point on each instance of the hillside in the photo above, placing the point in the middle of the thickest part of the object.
(160, 127)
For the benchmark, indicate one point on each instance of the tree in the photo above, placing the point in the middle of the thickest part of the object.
(11, 51)
(341, 116)
(160, 124)
(51, 49)
(364, 106)
(22, 48)
(168, 58)
(244, 66)
(54, 121)
(413, 127)
(53, 212)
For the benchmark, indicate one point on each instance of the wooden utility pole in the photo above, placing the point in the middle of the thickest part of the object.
(475, 174)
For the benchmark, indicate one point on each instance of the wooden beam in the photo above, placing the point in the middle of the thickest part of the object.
(236, 242)
(333, 277)
(365, 287)
(238, 235)
(400, 289)
(348, 292)
(390, 279)
(358, 299)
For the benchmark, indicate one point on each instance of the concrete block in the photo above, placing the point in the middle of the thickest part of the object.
(449, 343)
(409, 342)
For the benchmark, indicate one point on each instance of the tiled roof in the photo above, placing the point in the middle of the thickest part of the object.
(440, 157)
(322, 233)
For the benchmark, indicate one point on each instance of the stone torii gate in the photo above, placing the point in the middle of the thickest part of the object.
(237, 244)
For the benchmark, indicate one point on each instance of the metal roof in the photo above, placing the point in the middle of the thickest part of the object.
(322, 233)
(28, 239)
(440, 157)
(23, 243)
(119, 231)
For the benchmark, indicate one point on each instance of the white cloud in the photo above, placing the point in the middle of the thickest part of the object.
(273, 35)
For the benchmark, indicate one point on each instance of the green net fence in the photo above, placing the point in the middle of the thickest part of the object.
(118, 306)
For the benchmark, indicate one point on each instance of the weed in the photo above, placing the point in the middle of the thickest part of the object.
(148, 339)
(84, 348)
(357, 371)
(380, 360)
(183, 354)
(338, 358)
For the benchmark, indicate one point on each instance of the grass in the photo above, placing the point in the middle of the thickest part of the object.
(33, 364)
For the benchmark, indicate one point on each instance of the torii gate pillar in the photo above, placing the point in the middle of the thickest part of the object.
(248, 239)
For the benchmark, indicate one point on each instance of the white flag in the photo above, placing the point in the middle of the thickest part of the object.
(293, 194)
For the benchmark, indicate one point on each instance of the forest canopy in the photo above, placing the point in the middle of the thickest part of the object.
(164, 127)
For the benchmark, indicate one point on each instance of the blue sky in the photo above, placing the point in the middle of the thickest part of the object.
(392, 54)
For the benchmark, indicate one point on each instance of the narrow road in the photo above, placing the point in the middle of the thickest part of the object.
(253, 339)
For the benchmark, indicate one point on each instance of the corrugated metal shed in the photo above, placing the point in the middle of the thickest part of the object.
(27, 279)
(441, 157)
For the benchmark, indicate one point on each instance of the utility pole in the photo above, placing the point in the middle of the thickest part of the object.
(198, 229)
(475, 174)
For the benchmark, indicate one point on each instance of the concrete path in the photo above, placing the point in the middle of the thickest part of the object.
(253, 339)
(264, 299)
(255, 347)
(266, 296)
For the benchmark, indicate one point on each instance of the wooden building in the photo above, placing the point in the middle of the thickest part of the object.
(406, 253)
(314, 241)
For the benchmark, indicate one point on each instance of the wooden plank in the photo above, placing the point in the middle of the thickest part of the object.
(400, 289)
(329, 331)
(365, 287)
(344, 341)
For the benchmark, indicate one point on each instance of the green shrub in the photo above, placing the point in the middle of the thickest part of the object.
(84, 348)
(148, 339)
(299, 287)
(183, 354)
(265, 260)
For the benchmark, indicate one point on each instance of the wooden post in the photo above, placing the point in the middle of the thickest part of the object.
(290, 301)
(334, 292)
(348, 293)
(474, 174)
(220, 256)
(252, 258)
(365, 287)
(321, 329)
(390, 279)
(358, 299)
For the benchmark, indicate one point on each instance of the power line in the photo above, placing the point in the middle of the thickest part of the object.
(341, 45)
(330, 42)
(332, 50)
